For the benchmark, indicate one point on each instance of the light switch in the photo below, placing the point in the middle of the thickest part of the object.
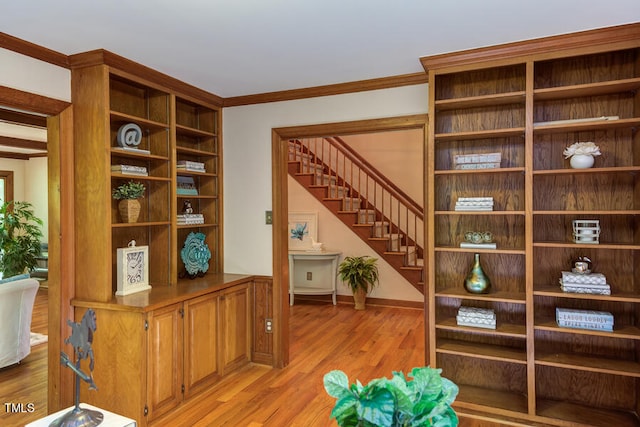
(268, 217)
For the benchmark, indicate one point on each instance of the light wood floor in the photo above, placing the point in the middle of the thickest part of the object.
(365, 344)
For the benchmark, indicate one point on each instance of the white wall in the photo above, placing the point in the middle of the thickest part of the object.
(247, 160)
(38, 77)
(35, 76)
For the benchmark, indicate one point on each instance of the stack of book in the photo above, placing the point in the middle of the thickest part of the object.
(186, 186)
(584, 319)
(593, 283)
(476, 317)
(477, 161)
(190, 219)
(130, 170)
(188, 165)
(474, 204)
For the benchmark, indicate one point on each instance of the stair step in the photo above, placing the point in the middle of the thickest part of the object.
(338, 192)
(380, 228)
(350, 204)
(366, 216)
(325, 179)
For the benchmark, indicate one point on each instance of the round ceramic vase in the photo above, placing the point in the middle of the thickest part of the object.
(581, 161)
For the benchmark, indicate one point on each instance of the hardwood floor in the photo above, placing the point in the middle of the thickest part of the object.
(364, 344)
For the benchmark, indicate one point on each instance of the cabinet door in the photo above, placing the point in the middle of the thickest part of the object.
(235, 335)
(201, 368)
(164, 360)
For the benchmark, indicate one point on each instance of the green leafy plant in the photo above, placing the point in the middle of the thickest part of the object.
(129, 190)
(359, 272)
(397, 402)
(20, 237)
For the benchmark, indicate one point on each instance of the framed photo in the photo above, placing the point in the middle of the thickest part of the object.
(133, 269)
(303, 226)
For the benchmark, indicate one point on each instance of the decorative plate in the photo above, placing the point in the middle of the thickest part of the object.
(195, 254)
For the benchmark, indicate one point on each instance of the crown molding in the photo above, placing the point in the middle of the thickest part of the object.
(328, 90)
(582, 42)
(33, 50)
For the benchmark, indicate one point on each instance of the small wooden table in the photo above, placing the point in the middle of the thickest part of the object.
(313, 273)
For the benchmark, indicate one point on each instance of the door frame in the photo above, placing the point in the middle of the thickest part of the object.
(60, 211)
(280, 199)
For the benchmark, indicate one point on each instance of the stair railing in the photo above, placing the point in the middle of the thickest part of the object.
(352, 178)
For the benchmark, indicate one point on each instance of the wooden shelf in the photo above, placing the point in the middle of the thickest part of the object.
(480, 134)
(622, 332)
(502, 329)
(185, 130)
(478, 250)
(594, 170)
(121, 152)
(482, 351)
(601, 245)
(589, 363)
(195, 152)
(585, 415)
(587, 126)
(481, 101)
(554, 291)
(591, 89)
(510, 297)
(509, 403)
(477, 171)
(151, 124)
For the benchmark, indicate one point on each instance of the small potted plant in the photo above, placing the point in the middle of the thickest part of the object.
(128, 195)
(423, 401)
(361, 275)
(582, 154)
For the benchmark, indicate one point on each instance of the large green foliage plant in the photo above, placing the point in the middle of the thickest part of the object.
(423, 401)
(20, 237)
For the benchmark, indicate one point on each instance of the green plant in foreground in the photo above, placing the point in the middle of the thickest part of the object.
(129, 190)
(20, 236)
(423, 401)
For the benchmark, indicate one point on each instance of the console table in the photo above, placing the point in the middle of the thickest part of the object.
(313, 273)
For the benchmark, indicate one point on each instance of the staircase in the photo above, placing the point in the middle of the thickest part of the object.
(362, 198)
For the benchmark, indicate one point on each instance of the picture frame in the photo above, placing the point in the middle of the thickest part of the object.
(132, 269)
(302, 229)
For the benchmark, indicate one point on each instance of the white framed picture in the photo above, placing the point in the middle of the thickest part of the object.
(303, 227)
(133, 269)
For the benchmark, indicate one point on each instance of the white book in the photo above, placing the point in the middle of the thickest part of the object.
(588, 316)
(473, 208)
(591, 291)
(469, 245)
(461, 322)
(484, 313)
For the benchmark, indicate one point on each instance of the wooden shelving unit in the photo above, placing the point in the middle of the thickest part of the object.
(528, 101)
(176, 127)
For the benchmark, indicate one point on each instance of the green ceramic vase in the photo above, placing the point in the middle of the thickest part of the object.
(477, 281)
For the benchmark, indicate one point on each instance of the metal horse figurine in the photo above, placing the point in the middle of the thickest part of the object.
(81, 339)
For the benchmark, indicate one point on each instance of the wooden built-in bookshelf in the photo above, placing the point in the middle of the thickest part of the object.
(529, 101)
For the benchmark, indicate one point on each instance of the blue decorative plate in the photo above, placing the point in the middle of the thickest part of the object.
(195, 254)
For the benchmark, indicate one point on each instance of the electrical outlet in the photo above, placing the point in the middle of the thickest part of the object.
(268, 325)
(309, 275)
(268, 217)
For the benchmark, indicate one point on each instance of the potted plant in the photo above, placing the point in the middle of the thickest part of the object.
(20, 236)
(423, 401)
(361, 275)
(129, 205)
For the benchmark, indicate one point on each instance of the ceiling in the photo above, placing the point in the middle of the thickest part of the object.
(243, 47)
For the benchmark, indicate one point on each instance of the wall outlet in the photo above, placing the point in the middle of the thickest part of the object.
(268, 325)
(268, 217)
(309, 275)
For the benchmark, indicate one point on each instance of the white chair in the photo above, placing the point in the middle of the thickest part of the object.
(16, 308)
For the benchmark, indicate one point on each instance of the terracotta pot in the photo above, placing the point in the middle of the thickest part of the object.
(359, 297)
(129, 210)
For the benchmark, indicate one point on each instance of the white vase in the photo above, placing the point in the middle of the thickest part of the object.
(581, 161)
